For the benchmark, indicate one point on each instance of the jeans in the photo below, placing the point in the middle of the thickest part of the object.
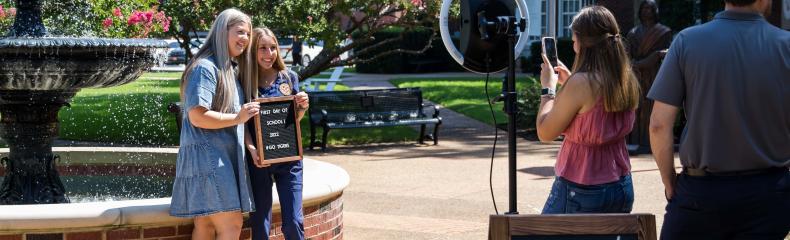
(288, 177)
(753, 207)
(570, 197)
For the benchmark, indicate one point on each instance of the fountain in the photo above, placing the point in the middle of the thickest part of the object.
(38, 76)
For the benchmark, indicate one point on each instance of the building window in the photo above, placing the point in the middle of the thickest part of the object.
(544, 18)
(566, 9)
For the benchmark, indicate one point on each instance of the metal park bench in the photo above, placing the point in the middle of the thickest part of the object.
(369, 108)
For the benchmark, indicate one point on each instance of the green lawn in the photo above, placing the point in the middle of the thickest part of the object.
(467, 95)
(161, 75)
(133, 113)
(136, 113)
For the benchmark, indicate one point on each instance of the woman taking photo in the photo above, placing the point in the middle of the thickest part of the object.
(595, 111)
(211, 183)
(264, 75)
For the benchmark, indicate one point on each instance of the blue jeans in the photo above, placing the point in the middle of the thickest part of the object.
(288, 177)
(570, 197)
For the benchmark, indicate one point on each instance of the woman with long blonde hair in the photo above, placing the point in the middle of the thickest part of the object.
(212, 184)
(595, 111)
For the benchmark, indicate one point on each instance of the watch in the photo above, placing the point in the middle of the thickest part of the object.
(547, 91)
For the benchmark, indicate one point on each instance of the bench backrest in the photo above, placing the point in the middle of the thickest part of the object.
(367, 105)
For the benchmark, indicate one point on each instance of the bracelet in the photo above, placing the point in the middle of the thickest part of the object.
(548, 96)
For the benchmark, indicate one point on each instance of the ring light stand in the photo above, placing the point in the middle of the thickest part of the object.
(489, 28)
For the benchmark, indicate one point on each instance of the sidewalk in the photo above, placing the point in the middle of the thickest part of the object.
(413, 191)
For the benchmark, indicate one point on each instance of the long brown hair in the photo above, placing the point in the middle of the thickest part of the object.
(217, 45)
(249, 68)
(603, 56)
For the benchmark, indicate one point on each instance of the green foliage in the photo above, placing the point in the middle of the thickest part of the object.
(435, 59)
(137, 18)
(60, 17)
(333, 22)
(68, 18)
(467, 96)
(189, 15)
(322, 20)
(7, 13)
(90, 18)
(307, 18)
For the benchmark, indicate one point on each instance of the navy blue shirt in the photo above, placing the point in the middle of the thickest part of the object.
(732, 77)
(274, 90)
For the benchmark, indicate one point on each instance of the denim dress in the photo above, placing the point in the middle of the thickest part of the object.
(211, 174)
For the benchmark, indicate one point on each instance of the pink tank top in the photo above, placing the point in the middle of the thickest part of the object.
(593, 151)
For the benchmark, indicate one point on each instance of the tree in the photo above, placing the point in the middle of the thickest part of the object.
(191, 16)
(334, 21)
(95, 18)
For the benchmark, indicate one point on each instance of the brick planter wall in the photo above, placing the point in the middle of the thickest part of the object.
(323, 221)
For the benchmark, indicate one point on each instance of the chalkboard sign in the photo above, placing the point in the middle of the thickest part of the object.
(278, 134)
(572, 227)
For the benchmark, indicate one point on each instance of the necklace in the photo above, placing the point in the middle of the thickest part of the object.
(266, 82)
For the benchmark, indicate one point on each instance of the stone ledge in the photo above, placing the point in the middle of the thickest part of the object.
(322, 182)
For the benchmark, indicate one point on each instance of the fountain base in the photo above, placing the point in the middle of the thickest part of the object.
(29, 125)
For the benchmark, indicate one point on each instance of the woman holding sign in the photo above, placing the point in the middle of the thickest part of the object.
(212, 184)
(264, 75)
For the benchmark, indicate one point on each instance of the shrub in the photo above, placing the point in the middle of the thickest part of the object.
(405, 63)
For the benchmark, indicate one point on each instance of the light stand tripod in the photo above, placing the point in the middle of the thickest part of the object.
(507, 25)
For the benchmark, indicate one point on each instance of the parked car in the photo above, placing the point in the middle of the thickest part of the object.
(285, 44)
(172, 56)
(178, 56)
(308, 52)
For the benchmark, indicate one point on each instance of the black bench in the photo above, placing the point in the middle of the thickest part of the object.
(369, 108)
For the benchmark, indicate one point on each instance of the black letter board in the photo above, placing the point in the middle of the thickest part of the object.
(277, 131)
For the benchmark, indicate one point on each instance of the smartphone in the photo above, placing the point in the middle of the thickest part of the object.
(550, 49)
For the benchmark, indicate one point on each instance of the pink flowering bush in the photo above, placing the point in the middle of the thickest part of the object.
(6, 18)
(136, 24)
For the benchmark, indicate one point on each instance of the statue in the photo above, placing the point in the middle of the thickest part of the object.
(647, 45)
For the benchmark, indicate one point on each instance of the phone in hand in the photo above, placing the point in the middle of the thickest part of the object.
(550, 49)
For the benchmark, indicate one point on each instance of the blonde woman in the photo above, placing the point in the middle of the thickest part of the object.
(264, 75)
(212, 184)
(595, 111)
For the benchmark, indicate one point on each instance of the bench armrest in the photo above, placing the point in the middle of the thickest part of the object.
(324, 115)
(435, 109)
(174, 107)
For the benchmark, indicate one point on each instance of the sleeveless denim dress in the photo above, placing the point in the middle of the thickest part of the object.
(211, 174)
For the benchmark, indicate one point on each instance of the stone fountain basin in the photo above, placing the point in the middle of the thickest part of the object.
(323, 189)
(60, 63)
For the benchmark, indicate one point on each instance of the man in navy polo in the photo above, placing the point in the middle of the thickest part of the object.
(732, 78)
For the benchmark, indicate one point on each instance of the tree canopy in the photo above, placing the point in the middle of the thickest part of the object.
(333, 22)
